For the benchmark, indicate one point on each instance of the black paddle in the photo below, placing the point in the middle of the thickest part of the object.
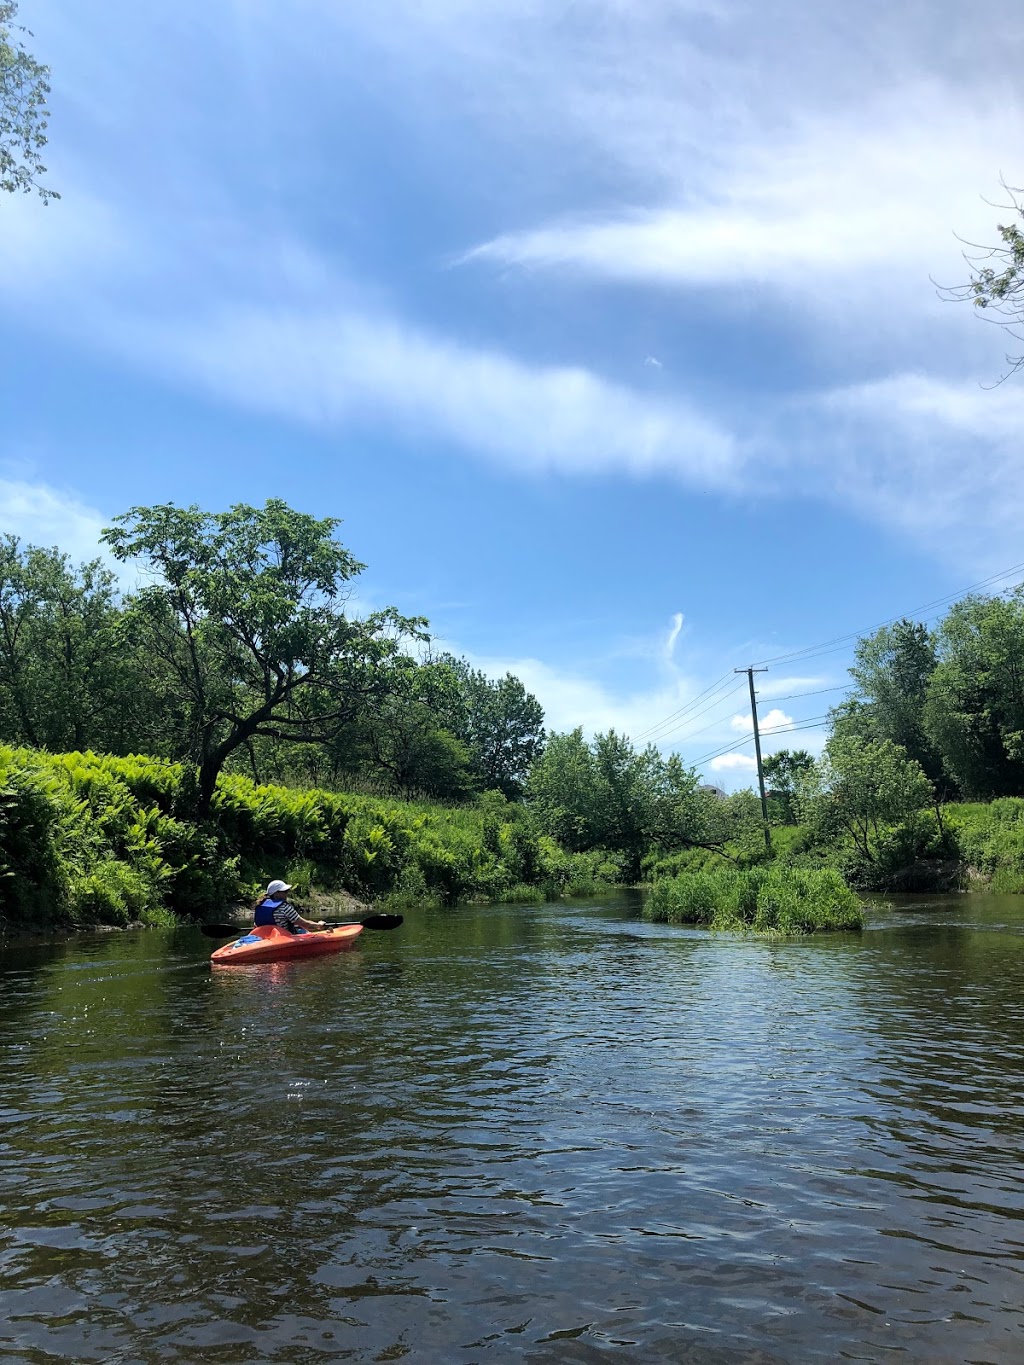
(368, 922)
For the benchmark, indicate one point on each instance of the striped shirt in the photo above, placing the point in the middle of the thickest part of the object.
(286, 916)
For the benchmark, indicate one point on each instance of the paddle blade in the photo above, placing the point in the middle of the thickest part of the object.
(369, 922)
(380, 921)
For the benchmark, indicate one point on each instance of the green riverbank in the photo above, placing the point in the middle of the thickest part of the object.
(97, 840)
(88, 839)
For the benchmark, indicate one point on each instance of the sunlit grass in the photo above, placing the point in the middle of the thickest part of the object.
(775, 900)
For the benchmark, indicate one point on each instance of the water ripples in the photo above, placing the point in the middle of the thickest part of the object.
(545, 1135)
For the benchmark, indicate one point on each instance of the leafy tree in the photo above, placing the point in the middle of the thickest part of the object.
(246, 613)
(974, 714)
(563, 787)
(997, 280)
(892, 669)
(605, 794)
(23, 90)
(404, 739)
(499, 721)
(783, 772)
(66, 681)
(862, 787)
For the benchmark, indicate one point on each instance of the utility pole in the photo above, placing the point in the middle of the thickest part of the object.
(757, 750)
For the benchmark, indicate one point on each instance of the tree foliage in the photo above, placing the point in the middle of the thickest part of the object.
(783, 772)
(65, 679)
(974, 713)
(606, 794)
(892, 671)
(863, 787)
(245, 611)
(500, 723)
(24, 86)
(996, 284)
(237, 653)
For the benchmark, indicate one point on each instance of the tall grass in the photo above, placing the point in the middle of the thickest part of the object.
(775, 899)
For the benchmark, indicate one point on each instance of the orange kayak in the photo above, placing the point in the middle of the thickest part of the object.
(271, 944)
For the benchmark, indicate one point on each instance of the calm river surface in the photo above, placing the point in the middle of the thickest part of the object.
(519, 1134)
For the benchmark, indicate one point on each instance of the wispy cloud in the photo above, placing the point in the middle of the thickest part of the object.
(40, 515)
(716, 151)
(812, 210)
(330, 369)
(673, 635)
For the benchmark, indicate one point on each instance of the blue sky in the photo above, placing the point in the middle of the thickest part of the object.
(606, 327)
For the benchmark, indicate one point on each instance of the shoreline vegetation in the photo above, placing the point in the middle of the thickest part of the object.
(165, 751)
(89, 840)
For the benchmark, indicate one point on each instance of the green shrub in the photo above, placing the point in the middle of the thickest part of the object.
(766, 900)
(690, 898)
(522, 894)
(112, 893)
(990, 840)
(35, 879)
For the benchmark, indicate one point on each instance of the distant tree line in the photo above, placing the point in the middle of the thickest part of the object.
(235, 650)
(228, 643)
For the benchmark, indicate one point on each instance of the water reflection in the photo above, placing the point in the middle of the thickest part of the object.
(541, 1134)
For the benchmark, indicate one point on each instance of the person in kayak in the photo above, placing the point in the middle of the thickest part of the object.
(274, 908)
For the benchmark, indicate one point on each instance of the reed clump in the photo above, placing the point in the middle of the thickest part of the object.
(774, 900)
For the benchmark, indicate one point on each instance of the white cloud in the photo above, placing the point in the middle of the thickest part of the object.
(573, 698)
(333, 368)
(41, 515)
(813, 210)
(744, 763)
(770, 156)
(673, 635)
(769, 720)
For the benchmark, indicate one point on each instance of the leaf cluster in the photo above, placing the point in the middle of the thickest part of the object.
(24, 86)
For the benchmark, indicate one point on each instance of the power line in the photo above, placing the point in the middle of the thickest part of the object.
(812, 724)
(664, 738)
(783, 730)
(688, 713)
(810, 651)
(809, 723)
(818, 692)
(683, 710)
(791, 696)
(692, 734)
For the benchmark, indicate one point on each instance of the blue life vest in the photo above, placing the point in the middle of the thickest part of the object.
(263, 915)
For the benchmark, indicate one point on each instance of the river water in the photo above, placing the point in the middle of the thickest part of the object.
(520, 1134)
